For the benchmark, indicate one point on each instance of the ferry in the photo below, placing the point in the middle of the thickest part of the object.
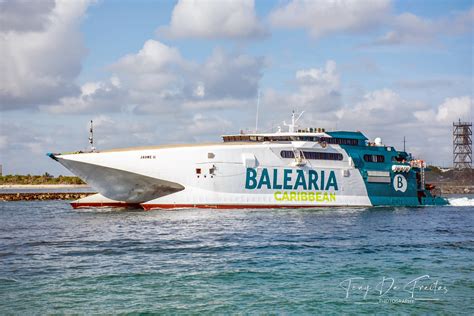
(296, 168)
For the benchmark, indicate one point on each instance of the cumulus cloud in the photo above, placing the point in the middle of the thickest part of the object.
(152, 77)
(217, 104)
(147, 81)
(101, 95)
(330, 16)
(317, 91)
(447, 112)
(157, 79)
(153, 57)
(228, 76)
(408, 28)
(25, 15)
(40, 63)
(385, 99)
(327, 17)
(19, 137)
(205, 125)
(318, 87)
(378, 109)
(213, 19)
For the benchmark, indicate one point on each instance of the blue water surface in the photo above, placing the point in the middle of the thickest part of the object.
(54, 259)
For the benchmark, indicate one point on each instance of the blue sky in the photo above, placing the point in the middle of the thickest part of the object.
(153, 72)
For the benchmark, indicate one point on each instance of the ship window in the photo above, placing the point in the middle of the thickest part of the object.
(308, 138)
(313, 155)
(398, 158)
(374, 158)
(322, 155)
(340, 141)
(210, 155)
(198, 170)
(287, 154)
(281, 138)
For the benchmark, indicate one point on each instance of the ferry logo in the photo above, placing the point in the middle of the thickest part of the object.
(289, 179)
(400, 183)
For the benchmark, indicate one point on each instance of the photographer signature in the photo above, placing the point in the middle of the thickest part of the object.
(420, 288)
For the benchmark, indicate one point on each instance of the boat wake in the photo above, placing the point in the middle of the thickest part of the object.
(464, 201)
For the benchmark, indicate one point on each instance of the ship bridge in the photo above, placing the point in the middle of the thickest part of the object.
(306, 135)
(309, 134)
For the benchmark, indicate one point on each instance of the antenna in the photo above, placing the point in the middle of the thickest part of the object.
(298, 117)
(291, 127)
(404, 143)
(91, 136)
(258, 106)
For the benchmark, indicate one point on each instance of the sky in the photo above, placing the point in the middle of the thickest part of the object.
(157, 72)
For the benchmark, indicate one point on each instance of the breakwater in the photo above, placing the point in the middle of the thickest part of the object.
(455, 189)
(31, 196)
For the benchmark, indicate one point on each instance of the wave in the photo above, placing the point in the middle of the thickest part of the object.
(464, 201)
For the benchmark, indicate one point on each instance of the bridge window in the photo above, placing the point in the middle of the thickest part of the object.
(340, 141)
(374, 158)
(288, 138)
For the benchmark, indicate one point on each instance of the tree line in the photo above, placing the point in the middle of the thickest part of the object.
(46, 178)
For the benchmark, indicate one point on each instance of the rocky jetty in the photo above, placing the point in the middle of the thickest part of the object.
(42, 196)
(451, 181)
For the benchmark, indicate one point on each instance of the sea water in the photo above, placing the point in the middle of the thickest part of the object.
(54, 259)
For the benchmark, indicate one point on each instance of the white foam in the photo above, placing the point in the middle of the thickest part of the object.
(464, 201)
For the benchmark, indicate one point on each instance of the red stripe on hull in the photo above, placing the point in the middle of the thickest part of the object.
(105, 204)
(148, 207)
